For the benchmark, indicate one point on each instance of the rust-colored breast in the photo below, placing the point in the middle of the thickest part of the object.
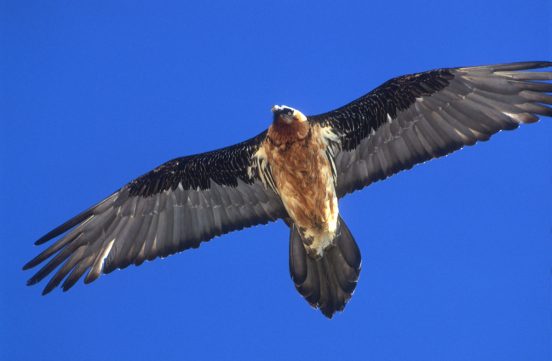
(303, 176)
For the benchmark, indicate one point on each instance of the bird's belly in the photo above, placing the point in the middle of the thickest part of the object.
(305, 183)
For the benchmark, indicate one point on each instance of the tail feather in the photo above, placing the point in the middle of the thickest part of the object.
(328, 282)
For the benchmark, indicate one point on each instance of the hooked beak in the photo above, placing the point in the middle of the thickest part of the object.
(282, 113)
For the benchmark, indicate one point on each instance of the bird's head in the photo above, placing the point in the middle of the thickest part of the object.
(287, 115)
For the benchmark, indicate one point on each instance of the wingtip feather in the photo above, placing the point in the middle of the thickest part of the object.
(523, 65)
(49, 288)
(516, 66)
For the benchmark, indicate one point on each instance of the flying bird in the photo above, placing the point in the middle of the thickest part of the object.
(297, 170)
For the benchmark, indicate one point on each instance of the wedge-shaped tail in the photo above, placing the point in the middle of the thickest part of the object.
(326, 283)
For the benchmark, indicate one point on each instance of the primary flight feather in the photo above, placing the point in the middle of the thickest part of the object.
(297, 170)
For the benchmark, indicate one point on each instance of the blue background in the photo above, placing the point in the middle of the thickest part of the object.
(457, 253)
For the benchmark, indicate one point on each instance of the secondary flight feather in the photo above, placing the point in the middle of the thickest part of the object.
(297, 170)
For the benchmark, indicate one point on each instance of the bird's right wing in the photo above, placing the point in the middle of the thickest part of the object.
(414, 118)
(174, 207)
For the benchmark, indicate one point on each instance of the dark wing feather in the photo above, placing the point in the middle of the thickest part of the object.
(414, 118)
(172, 208)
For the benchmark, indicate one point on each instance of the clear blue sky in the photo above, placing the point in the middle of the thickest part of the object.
(457, 253)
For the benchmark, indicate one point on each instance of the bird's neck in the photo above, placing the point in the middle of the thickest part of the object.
(282, 133)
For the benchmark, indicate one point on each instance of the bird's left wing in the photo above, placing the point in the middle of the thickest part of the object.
(414, 118)
(174, 207)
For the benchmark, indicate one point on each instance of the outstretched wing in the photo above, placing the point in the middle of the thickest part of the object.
(174, 207)
(414, 118)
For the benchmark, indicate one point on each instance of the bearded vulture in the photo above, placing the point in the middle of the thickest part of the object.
(297, 170)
